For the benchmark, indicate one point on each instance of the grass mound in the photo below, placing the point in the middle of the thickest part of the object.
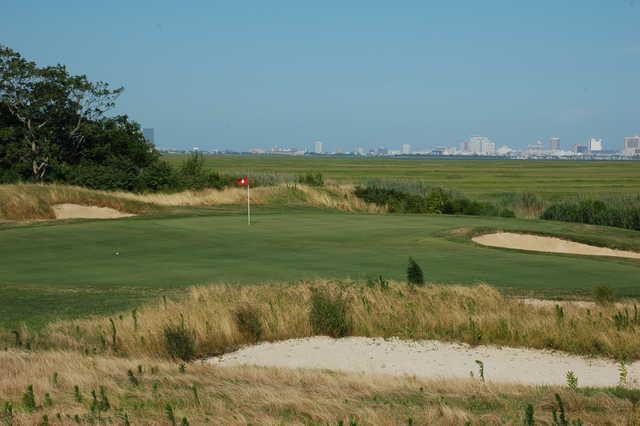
(475, 315)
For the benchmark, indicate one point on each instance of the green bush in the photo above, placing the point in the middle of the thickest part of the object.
(620, 213)
(603, 294)
(329, 314)
(248, 322)
(430, 201)
(311, 179)
(414, 273)
(179, 342)
(29, 399)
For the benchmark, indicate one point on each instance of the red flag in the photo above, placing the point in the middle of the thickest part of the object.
(243, 181)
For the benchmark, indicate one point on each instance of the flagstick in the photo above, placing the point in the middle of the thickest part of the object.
(248, 203)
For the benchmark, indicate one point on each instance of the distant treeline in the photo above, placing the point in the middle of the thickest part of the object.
(435, 200)
(621, 214)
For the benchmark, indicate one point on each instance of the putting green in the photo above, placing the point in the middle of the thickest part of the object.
(71, 269)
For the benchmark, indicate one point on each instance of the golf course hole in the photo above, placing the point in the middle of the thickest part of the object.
(77, 211)
(548, 244)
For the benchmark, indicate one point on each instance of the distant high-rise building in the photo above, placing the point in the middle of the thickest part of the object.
(479, 145)
(594, 145)
(317, 147)
(631, 145)
(406, 149)
(554, 144)
(149, 135)
(580, 149)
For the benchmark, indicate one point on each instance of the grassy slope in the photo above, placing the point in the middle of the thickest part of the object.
(44, 265)
(480, 178)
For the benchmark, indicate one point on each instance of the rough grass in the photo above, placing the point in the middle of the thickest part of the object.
(251, 395)
(475, 315)
(127, 356)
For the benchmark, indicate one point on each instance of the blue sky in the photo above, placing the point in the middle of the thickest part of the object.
(241, 74)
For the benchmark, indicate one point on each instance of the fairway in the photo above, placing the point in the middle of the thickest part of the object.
(485, 179)
(71, 269)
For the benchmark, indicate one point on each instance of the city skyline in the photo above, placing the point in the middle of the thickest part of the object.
(218, 75)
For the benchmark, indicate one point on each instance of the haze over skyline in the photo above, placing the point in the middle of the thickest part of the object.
(258, 74)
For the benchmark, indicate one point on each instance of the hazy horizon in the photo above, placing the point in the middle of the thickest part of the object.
(223, 75)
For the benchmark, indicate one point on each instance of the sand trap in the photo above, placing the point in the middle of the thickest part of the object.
(430, 359)
(548, 244)
(77, 211)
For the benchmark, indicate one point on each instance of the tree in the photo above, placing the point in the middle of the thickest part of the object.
(414, 273)
(50, 106)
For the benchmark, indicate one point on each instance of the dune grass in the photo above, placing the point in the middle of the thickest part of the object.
(209, 320)
(21, 202)
(144, 391)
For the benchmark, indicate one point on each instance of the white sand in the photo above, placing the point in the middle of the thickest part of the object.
(77, 211)
(548, 244)
(430, 359)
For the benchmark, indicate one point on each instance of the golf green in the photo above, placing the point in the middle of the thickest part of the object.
(72, 269)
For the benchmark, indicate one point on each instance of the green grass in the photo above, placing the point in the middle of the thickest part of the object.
(485, 179)
(69, 269)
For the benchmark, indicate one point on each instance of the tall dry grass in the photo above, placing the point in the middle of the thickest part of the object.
(19, 202)
(475, 315)
(333, 197)
(267, 396)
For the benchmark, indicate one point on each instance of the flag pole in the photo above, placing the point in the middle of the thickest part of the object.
(248, 202)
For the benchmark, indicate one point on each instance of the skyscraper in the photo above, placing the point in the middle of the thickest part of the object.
(149, 134)
(632, 145)
(317, 147)
(480, 145)
(594, 145)
(406, 149)
(554, 144)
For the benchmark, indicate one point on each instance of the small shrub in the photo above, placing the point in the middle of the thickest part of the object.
(179, 342)
(29, 399)
(572, 380)
(481, 369)
(169, 414)
(7, 413)
(529, 416)
(414, 273)
(623, 373)
(77, 396)
(311, 179)
(329, 314)
(132, 378)
(48, 402)
(248, 322)
(603, 294)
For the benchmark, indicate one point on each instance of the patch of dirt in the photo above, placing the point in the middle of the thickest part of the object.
(431, 359)
(77, 211)
(548, 244)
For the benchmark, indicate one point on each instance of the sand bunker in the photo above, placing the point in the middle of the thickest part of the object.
(548, 244)
(430, 359)
(77, 211)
